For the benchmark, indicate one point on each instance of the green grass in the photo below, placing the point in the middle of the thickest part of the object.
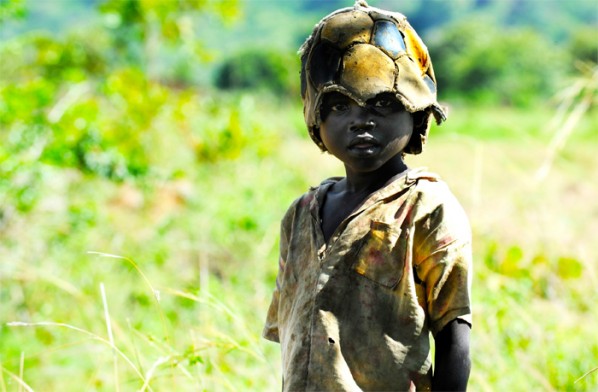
(187, 262)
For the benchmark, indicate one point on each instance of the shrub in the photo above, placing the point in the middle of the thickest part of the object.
(259, 69)
(480, 62)
(584, 46)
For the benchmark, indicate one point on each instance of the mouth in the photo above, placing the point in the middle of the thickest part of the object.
(363, 143)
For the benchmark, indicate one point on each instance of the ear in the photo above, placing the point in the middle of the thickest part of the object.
(318, 139)
(421, 122)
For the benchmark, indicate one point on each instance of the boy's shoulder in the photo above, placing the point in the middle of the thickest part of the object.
(436, 205)
(308, 197)
(430, 186)
(430, 195)
(425, 181)
(423, 175)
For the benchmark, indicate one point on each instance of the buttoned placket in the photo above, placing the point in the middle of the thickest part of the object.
(409, 178)
(324, 248)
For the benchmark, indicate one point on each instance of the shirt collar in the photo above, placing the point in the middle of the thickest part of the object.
(393, 186)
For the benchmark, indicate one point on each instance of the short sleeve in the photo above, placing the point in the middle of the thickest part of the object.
(270, 331)
(443, 259)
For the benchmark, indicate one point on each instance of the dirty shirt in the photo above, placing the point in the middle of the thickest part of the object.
(355, 314)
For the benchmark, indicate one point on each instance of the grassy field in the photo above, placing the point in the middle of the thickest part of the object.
(163, 283)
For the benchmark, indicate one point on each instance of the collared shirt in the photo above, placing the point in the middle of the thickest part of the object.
(355, 314)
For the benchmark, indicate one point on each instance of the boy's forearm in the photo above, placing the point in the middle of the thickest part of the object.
(452, 362)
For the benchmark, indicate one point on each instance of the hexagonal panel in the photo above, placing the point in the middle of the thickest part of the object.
(347, 28)
(388, 37)
(367, 71)
(324, 64)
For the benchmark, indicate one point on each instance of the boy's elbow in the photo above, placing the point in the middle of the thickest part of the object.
(453, 362)
(459, 351)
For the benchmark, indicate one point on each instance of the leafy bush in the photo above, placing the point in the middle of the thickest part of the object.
(260, 69)
(97, 154)
(584, 46)
(480, 62)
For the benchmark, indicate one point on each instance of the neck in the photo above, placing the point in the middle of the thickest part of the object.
(369, 182)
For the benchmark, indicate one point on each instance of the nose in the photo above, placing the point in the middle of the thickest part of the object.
(362, 121)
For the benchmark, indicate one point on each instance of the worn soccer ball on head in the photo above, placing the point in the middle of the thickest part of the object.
(363, 51)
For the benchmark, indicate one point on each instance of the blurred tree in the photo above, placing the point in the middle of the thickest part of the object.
(11, 9)
(482, 3)
(435, 13)
(88, 98)
(260, 69)
(579, 97)
(480, 62)
(584, 45)
(141, 28)
(556, 20)
(323, 5)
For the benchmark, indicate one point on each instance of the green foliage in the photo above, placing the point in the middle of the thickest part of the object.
(101, 150)
(83, 100)
(260, 69)
(584, 46)
(142, 29)
(509, 66)
(197, 210)
(520, 320)
(187, 310)
(556, 21)
(11, 9)
(322, 5)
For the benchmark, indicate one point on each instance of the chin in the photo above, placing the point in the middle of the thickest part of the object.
(366, 167)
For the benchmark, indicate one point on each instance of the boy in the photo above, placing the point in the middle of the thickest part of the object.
(372, 263)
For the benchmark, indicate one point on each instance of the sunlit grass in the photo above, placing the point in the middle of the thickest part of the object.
(187, 263)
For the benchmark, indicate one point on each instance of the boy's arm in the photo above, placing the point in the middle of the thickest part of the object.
(452, 363)
(270, 331)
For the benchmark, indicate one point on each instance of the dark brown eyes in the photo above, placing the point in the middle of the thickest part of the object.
(385, 104)
(382, 103)
(377, 103)
(339, 107)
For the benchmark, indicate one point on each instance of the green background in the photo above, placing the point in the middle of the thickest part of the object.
(148, 150)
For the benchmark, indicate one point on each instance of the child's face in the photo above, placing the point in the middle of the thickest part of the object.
(364, 138)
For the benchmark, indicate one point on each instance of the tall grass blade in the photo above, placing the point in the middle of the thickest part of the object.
(585, 375)
(83, 331)
(577, 100)
(2, 382)
(165, 348)
(110, 336)
(135, 349)
(16, 378)
(21, 368)
(152, 370)
(155, 292)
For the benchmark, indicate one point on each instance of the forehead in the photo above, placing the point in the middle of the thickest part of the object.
(334, 97)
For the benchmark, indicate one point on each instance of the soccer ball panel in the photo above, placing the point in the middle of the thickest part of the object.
(347, 28)
(367, 71)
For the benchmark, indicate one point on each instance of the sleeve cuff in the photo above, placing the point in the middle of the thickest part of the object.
(271, 334)
(460, 313)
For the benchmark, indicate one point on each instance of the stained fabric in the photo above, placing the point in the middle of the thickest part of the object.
(356, 314)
